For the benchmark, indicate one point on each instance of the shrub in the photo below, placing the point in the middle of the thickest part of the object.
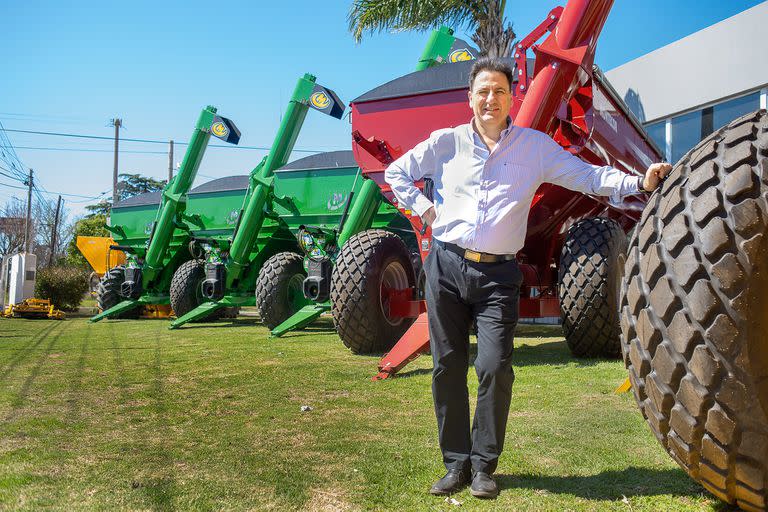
(64, 286)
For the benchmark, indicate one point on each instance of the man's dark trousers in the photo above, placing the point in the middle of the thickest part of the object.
(457, 291)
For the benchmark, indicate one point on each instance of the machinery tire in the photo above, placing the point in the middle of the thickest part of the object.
(694, 315)
(591, 267)
(186, 291)
(108, 292)
(369, 261)
(279, 288)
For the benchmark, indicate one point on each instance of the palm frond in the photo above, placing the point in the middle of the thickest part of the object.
(398, 15)
(484, 18)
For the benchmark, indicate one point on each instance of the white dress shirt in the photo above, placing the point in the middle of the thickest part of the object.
(481, 197)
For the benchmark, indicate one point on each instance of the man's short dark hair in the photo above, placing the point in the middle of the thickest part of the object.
(490, 64)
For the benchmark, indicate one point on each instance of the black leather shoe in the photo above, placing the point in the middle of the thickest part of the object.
(483, 486)
(453, 481)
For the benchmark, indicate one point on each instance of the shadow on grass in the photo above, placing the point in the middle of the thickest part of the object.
(538, 331)
(609, 485)
(215, 324)
(27, 349)
(26, 387)
(76, 382)
(548, 353)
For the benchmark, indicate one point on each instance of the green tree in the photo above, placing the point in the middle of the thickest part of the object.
(131, 185)
(483, 18)
(92, 225)
(102, 208)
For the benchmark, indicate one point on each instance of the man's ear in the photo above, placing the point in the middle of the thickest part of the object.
(469, 97)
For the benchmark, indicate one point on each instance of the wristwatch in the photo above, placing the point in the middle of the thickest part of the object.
(640, 187)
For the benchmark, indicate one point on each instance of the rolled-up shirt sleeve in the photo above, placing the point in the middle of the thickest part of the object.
(562, 168)
(418, 163)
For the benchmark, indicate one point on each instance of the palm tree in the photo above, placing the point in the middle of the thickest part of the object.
(485, 18)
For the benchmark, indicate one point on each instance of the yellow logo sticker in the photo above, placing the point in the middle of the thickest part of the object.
(320, 100)
(219, 129)
(459, 55)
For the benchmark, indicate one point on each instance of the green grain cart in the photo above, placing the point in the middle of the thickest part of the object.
(155, 248)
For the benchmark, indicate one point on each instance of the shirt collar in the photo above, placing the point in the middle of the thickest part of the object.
(473, 132)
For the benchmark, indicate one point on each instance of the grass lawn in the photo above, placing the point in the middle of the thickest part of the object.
(129, 415)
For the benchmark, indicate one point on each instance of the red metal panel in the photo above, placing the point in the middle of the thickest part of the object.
(539, 307)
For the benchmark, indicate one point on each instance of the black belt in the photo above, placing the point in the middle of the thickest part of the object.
(477, 257)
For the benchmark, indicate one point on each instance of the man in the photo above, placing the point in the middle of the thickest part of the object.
(485, 174)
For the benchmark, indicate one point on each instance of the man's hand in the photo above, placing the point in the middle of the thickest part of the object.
(654, 175)
(429, 217)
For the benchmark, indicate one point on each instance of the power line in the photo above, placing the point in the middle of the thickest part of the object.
(12, 186)
(85, 150)
(40, 192)
(8, 175)
(144, 141)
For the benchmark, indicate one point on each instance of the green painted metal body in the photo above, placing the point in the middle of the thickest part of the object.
(437, 49)
(262, 180)
(152, 256)
(244, 256)
(370, 199)
(174, 198)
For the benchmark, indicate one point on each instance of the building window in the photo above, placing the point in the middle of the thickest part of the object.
(727, 111)
(686, 133)
(658, 133)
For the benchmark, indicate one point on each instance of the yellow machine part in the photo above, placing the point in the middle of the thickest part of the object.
(96, 250)
(156, 311)
(624, 387)
(33, 308)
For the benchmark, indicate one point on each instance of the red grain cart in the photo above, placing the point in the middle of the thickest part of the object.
(572, 239)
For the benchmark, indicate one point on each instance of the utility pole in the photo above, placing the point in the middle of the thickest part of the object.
(117, 123)
(170, 161)
(28, 223)
(54, 233)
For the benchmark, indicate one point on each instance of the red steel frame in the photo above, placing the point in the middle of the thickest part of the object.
(565, 99)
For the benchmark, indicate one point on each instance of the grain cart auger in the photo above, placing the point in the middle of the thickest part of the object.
(321, 246)
(228, 276)
(146, 276)
(574, 242)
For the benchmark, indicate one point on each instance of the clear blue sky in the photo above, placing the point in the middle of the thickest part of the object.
(71, 66)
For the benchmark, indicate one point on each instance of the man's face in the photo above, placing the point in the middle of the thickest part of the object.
(490, 98)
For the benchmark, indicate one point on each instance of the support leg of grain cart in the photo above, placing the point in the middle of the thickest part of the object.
(414, 342)
(201, 311)
(121, 307)
(301, 318)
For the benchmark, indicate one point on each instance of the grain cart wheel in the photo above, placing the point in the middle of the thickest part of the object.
(279, 288)
(186, 292)
(370, 263)
(695, 313)
(108, 292)
(591, 267)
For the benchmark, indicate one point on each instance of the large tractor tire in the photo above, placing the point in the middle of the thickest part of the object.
(695, 313)
(108, 292)
(591, 267)
(370, 262)
(280, 288)
(186, 292)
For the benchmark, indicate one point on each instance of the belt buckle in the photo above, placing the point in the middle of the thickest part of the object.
(472, 256)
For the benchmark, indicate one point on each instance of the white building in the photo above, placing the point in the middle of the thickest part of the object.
(684, 91)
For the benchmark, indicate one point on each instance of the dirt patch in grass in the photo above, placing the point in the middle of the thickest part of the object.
(328, 500)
